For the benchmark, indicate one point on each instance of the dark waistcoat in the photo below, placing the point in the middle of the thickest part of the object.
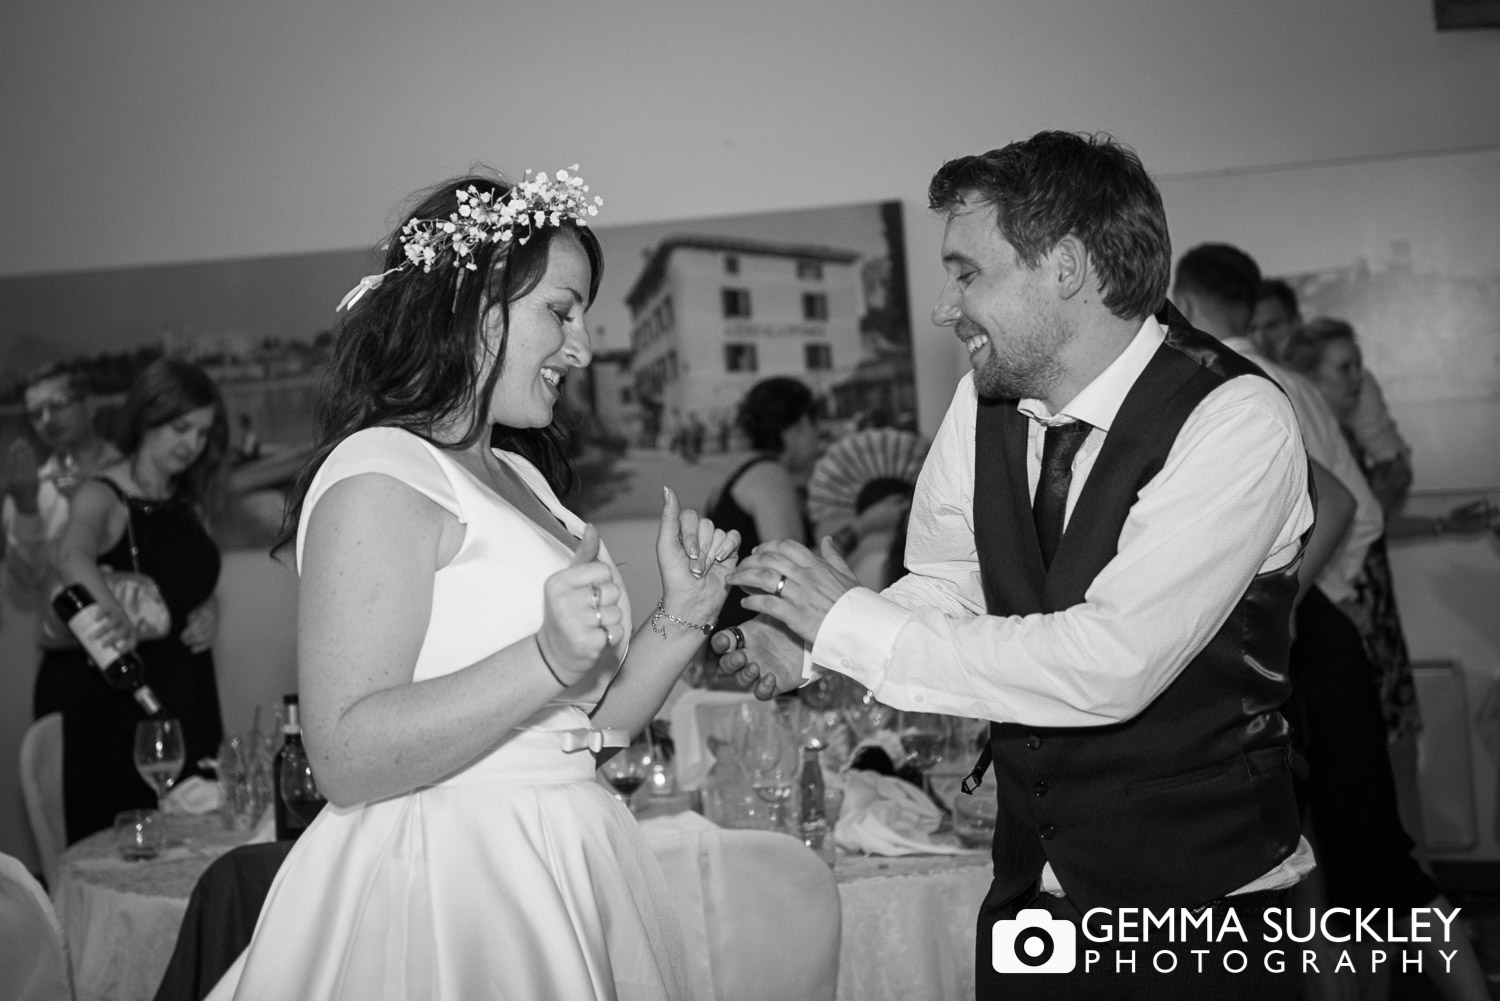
(1192, 798)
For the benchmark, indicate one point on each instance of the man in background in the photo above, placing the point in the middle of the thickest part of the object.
(34, 498)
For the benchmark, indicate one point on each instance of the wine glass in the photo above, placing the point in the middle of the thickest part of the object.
(629, 767)
(159, 754)
(925, 739)
(771, 756)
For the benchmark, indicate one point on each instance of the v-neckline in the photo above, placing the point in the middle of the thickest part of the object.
(525, 474)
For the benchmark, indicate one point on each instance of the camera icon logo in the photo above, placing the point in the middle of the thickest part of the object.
(1033, 942)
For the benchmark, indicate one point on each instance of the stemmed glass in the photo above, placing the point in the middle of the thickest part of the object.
(629, 767)
(925, 738)
(159, 754)
(771, 756)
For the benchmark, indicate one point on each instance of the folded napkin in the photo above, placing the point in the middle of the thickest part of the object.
(692, 758)
(193, 795)
(883, 815)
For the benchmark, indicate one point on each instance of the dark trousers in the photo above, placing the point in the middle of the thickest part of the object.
(1123, 970)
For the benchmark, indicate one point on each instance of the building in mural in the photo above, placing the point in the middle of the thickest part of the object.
(711, 316)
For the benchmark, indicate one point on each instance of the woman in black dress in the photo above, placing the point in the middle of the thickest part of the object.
(173, 436)
(762, 499)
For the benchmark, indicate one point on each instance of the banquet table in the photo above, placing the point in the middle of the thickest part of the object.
(120, 918)
(908, 922)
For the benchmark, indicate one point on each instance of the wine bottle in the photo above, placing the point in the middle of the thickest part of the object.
(122, 669)
(295, 800)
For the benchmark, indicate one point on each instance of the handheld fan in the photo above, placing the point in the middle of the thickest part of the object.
(856, 461)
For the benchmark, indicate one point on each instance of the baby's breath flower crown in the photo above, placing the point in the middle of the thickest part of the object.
(482, 217)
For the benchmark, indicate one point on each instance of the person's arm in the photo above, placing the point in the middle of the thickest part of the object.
(659, 653)
(1373, 426)
(26, 556)
(1230, 501)
(364, 605)
(96, 519)
(1335, 513)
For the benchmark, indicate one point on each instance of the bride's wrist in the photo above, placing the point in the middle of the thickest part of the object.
(670, 618)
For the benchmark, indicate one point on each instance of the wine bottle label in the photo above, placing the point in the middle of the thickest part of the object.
(82, 625)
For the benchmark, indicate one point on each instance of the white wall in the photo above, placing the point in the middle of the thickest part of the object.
(172, 130)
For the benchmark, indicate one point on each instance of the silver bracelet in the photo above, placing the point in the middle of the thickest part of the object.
(662, 613)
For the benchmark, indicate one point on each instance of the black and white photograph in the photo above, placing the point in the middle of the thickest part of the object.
(756, 502)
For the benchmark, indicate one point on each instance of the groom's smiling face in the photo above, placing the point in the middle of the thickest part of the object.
(1000, 309)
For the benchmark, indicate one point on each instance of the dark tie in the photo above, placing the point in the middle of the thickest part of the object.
(1051, 501)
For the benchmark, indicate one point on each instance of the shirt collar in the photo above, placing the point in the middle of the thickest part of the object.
(1099, 401)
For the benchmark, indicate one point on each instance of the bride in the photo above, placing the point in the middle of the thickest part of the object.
(464, 647)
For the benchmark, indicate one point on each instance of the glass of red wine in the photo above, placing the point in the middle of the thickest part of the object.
(628, 768)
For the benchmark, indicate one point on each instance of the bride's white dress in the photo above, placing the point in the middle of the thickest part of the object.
(518, 876)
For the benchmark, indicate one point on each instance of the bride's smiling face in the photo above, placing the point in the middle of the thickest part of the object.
(547, 338)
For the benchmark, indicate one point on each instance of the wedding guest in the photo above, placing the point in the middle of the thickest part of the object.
(1127, 630)
(465, 646)
(35, 498)
(1276, 319)
(1365, 855)
(145, 512)
(763, 498)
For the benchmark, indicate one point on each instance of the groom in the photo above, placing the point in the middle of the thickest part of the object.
(1102, 554)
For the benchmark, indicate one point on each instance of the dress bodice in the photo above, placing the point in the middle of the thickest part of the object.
(490, 594)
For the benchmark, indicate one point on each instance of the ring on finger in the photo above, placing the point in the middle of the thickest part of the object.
(780, 584)
(598, 617)
(594, 600)
(609, 637)
(739, 638)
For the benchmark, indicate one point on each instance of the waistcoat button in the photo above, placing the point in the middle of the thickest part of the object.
(1047, 832)
(1033, 742)
(1039, 787)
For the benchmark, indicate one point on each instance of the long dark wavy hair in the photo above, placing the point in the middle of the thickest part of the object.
(410, 353)
(164, 391)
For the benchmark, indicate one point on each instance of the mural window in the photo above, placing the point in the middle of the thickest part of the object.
(740, 358)
(819, 357)
(731, 264)
(814, 306)
(736, 302)
(810, 270)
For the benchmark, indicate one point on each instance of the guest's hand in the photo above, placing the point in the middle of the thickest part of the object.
(581, 614)
(202, 626)
(695, 560)
(1474, 516)
(769, 662)
(789, 583)
(18, 476)
(113, 628)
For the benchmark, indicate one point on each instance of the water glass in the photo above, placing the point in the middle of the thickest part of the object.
(974, 816)
(139, 834)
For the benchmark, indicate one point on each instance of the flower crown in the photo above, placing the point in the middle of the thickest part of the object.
(482, 218)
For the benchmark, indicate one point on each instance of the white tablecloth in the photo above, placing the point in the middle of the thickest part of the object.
(120, 919)
(908, 923)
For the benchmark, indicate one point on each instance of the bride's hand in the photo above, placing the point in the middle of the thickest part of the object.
(580, 613)
(695, 558)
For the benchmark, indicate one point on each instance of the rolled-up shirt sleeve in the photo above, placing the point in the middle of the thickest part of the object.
(1230, 501)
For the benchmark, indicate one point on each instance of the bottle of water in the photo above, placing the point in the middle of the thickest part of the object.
(812, 819)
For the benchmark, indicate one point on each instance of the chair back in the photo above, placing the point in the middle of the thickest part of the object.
(743, 896)
(42, 790)
(33, 956)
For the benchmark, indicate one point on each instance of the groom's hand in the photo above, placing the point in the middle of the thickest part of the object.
(768, 663)
(788, 582)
